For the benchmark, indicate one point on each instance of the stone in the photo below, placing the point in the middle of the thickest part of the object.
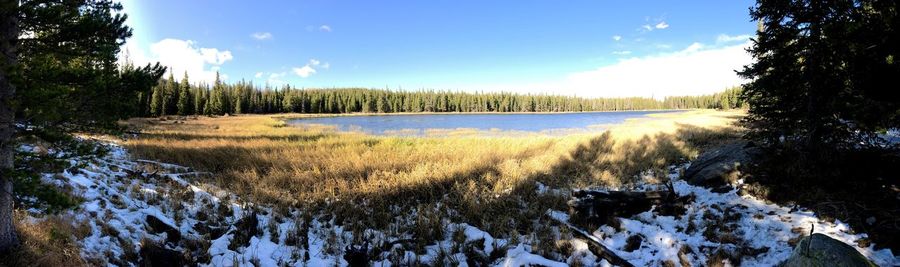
(822, 250)
(721, 165)
(155, 255)
(158, 226)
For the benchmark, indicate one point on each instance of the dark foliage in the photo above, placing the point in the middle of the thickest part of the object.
(68, 61)
(819, 96)
(823, 70)
(861, 188)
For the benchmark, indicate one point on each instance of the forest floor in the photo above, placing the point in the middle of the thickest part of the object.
(257, 192)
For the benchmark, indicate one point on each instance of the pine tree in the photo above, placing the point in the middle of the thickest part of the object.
(65, 71)
(217, 98)
(171, 96)
(821, 72)
(156, 101)
(382, 104)
(184, 97)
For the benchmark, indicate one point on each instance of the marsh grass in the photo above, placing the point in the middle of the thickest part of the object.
(369, 181)
(47, 241)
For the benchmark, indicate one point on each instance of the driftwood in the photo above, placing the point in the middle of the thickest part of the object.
(590, 209)
(595, 246)
(595, 208)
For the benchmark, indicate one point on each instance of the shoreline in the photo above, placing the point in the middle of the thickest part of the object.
(644, 123)
(317, 115)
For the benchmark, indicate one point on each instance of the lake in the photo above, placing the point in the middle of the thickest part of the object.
(447, 123)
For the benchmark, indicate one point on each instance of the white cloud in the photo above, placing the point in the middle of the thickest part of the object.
(275, 78)
(325, 28)
(261, 35)
(617, 38)
(694, 47)
(624, 52)
(258, 75)
(304, 71)
(692, 71)
(662, 25)
(724, 38)
(182, 56)
(647, 27)
(213, 56)
(310, 68)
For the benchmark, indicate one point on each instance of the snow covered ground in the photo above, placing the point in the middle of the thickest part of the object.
(131, 203)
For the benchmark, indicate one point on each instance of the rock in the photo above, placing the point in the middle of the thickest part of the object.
(821, 250)
(633, 243)
(158, 226)
(720, 166)
(244, 230)
(153, 254)
(213, 232)
(357, 255)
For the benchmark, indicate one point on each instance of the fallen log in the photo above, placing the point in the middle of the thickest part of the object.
(594, 208)
(594, 245)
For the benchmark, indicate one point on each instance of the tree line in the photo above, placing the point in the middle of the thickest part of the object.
(181, 97)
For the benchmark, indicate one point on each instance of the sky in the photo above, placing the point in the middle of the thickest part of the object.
(581, 48)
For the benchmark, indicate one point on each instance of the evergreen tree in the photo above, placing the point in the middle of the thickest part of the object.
(185, 104)
(172, 90)
(217, 98)
(382, 104)
(156, 101)
(822, 72)
(61, 56)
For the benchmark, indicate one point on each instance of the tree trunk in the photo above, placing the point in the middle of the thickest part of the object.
(9, 35)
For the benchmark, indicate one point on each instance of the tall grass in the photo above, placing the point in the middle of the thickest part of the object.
(368, 181)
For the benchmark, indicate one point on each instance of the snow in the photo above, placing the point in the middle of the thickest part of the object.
(119, 196)
(760, 226)
(518, 256)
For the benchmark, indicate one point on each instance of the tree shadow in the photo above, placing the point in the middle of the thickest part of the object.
(471, 196)
(481, 194)
(859, 188)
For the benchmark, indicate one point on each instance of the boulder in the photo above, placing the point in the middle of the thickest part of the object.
(153, 254)
(157, 226)
(721, 165)
(821, 250)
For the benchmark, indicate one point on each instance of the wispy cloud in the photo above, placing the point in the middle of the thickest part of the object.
(261, 35)
(724, 38)
(647, 27)
(622, 53)
(325, 28)
(662, 25)
(616, 38)
(258, 75)
(276, 78)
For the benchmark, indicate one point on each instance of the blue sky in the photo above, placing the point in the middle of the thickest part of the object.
(587, 48)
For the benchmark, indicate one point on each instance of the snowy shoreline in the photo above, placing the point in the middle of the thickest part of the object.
(119, 196)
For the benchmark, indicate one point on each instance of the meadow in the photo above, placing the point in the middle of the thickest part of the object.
(414, 185)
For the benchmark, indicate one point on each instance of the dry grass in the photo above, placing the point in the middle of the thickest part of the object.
(367, 180)
(48, 241)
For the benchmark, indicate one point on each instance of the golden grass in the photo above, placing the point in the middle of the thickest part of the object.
(48, 241)
(368, 180)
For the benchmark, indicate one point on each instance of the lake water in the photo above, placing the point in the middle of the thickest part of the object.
(443, 123)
